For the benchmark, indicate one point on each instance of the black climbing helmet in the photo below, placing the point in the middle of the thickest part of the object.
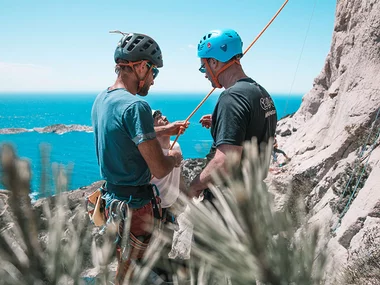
(135, 47)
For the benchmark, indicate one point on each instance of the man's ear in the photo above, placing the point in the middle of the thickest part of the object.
(140, 67)
(215, 63)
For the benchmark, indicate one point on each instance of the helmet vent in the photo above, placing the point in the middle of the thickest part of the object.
(138, 40)
(125, 41)
(154, 52)
(209, 36)
(146, 46)
(131, 47)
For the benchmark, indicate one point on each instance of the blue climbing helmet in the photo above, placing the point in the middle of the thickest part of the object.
(220, 44)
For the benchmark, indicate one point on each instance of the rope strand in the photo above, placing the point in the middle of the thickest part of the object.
(299, 59)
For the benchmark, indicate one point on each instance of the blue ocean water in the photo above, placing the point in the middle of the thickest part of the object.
(77, 148)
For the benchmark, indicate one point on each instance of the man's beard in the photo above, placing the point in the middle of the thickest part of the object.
(144, 90)
(209, 78)
(214, 85)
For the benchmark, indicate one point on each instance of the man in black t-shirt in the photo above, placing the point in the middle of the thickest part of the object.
(244, 109)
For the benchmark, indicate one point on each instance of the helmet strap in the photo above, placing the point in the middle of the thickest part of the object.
(141, 81)
(215, 77)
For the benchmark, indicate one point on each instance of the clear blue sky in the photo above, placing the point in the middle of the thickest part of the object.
(65, 45)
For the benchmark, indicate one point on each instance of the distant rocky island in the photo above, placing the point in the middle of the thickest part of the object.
(57, 129)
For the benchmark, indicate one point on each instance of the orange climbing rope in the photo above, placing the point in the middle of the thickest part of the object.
(246, 50)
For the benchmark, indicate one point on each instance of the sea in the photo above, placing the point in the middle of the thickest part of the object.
(75, 151)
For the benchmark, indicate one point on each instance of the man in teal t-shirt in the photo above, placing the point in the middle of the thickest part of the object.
(127, 149)
(120, 124)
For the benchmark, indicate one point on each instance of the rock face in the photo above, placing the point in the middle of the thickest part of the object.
(191, 168)
(337, 136)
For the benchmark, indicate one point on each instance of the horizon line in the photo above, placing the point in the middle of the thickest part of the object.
(169, 92)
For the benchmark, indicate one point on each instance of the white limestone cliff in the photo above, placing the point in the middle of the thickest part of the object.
(338, 124)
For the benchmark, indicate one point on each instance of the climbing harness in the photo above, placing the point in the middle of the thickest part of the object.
(246, 50)
(106, 209)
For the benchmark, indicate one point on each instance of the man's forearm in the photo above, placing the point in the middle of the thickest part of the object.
(217, 163)
(168, 165)
(161, 130)
(201, 181)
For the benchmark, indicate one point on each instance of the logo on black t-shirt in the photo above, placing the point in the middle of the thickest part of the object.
(266, 103)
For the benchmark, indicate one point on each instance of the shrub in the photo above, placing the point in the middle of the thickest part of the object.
(238, 240)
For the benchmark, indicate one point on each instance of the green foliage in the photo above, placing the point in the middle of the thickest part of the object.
(31, 255)
(245, 240)
(239, 240)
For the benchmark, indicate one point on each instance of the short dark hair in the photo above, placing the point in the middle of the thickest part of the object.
(157, 113)
(118, 67)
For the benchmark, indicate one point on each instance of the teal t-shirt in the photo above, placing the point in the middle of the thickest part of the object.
(121, 121)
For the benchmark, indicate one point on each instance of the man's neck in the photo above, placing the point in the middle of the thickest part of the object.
(124, 83)
(231, 76)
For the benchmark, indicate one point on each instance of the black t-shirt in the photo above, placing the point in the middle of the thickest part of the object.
(243, 111)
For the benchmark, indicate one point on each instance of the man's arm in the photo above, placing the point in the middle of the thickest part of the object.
(159, 164)
(200, 182)
(171, 129)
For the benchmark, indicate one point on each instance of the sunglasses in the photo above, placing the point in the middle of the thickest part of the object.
(202, 69)
(154, 69)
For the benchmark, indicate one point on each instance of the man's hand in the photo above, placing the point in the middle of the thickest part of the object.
(206, 121)
(172, 129)
(191, 193)
(177, 156)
